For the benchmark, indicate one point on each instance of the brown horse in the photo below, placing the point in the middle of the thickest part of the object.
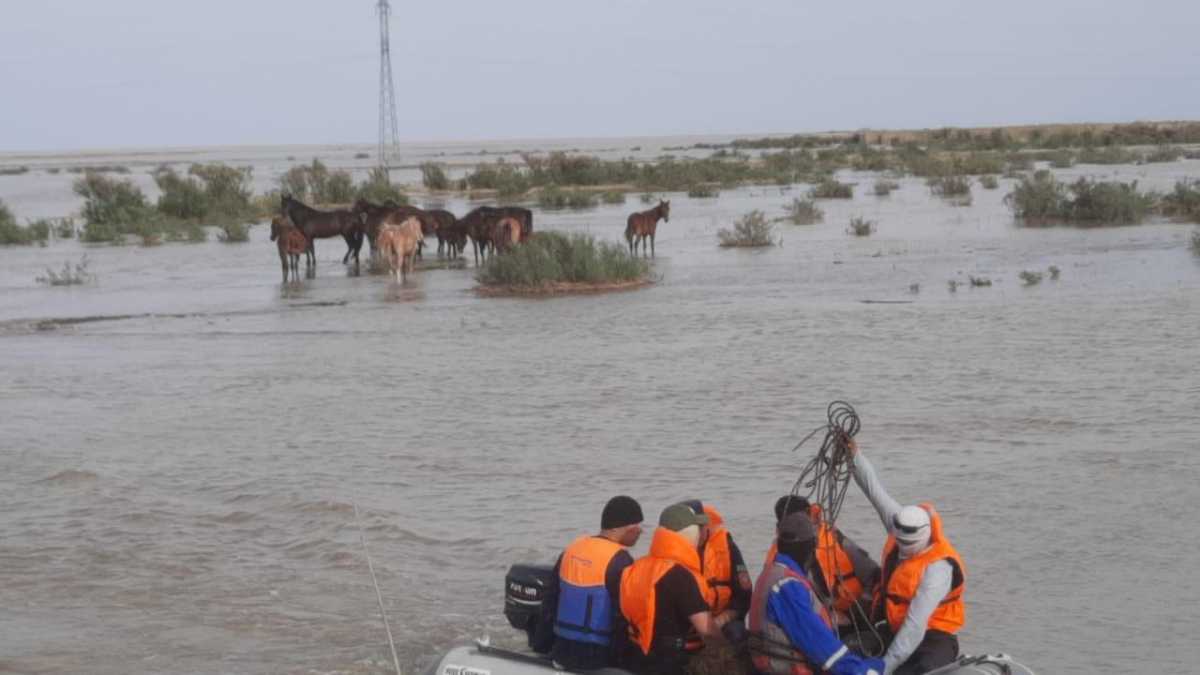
(372, 216)
(445, 222)
(642, 226)
(291, 243)
(399, 245)
(324, 224)
(506, 233)
(481, 221)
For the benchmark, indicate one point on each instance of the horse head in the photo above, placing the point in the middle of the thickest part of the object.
(665, 209)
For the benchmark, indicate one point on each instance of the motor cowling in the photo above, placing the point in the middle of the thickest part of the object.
(524, 590)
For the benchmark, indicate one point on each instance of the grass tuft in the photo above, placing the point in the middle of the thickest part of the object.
(70, 275)
(550, 257)
(861, 227)
(1030, 278)
(804, 212)
(831, 189)
(884, 188)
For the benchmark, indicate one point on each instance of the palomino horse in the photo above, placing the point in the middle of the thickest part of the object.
(642, 225)
(324, 224)
(506, 233)
(399, 245)
(291, 243)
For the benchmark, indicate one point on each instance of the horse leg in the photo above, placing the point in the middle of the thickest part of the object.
(651, 244)
(283, 261)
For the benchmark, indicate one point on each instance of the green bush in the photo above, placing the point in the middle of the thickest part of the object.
(13, 170)
(1110, 155)
(69, 275)
(1184, 202)
(613, 197)
(1196, 242)
(804, 212)
(1041, 200)
(1030, 278)
(861, 227)
(506, 179)
(339, 188)
(64, 228)
(831, 189)
(377, 188)
(549, 257)
(1062, 159)
(111, 207)
(10, 231)
(751, 230)
(234, 233)
(884, 188)
(949, 186)
(1164, 153)
(702, 192)
(989, 182)
(554, 197)
(434, 176)
(208, 191)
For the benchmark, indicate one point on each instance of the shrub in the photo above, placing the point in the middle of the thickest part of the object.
(1030, 278)
(1109, 155)
(378, 188)
(649, 198)
(554, 197)
(949, 186)
(339, 189)
(504, 178)
(979, 282)
(1062, 159)
(989, 182)
(613, 197)
(1195, 242)
(294, 182)
(751, 230)
(1184, 202)
(234, 233)
(13, 170)
(227, 189)
(1042, 200)
(861, 227)
(549, 257)
(181, 197)
(10, 231)
(831, 189)
(702, 191)
(1054, 272)
(362, 155)
(39, 230)
(1164, 153)
(64, 228)
(69, 275)
(434, 176)
(884, 188)
(804, 212)
(111, 207)
(1037, 199)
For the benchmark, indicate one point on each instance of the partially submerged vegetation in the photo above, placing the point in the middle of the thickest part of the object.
(1183, 203)
(831, 189)
(949, 186)
(751, 230)
(555, 262)
(884, 187)
(554, 197)
(1042, 199)
(13, 170)
(11, 233)
(71, 274)
(861, 227)
(804, 212)
(433, 176)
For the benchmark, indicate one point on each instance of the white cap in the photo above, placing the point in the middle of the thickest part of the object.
(912, 530)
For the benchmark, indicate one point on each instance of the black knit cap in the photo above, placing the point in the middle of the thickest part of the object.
(619, 512)
(792, 504)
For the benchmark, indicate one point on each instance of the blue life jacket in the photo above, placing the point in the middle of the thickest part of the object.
(585, 610)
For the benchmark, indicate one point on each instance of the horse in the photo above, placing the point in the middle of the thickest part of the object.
(445, 222)
(481, 220)
(506, 233)
(324, 224)
(643, 225)
(291, 243)
(523, 216)
(399, 244)
(371, 216)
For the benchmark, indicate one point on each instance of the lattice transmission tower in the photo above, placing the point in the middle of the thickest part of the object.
(389, 129)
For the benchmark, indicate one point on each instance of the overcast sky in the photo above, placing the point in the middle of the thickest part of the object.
(121, 73)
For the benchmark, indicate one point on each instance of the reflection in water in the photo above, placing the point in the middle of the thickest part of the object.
(178, 470)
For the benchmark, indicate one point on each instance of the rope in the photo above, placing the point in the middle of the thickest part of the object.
(824, 481)
(362, 535)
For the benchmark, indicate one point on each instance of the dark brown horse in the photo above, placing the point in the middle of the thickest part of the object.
(291, 243)
(481, 221)
(324, 224)
(371, 216)
(642, 226)
(445, 222)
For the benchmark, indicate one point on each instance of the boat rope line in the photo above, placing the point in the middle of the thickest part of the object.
(362, 535)
(824, 481)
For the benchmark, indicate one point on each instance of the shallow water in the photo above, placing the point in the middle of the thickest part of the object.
(177, 486)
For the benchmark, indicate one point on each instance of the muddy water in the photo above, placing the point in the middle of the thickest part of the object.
(177, 486)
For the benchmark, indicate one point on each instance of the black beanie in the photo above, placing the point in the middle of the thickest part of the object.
(792, 504)
(619, 512)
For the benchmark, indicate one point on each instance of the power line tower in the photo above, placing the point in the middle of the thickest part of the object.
(389, 129)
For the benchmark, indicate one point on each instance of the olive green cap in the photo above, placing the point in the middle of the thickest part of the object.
(679, 516)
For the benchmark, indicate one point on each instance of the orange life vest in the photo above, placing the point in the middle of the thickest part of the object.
(836, 567)
(901, 577)
(667, 550)
(717, 564)
(584, 612)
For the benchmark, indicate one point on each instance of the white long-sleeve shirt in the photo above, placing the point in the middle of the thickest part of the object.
(935, 581)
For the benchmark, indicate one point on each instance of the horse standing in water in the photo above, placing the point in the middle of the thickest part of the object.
(399, 244)
(291, 243)
(642, 226)
(506, 233)
(324, 224)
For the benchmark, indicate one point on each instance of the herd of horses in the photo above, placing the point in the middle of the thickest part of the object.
(398, 232)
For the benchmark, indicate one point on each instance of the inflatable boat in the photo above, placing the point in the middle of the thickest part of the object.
(524, 586)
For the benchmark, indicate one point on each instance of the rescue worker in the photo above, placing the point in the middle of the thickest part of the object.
(923, 579)
(664, 596)
(725, 571)
(581, 625)
(846, 572)
(791, 633)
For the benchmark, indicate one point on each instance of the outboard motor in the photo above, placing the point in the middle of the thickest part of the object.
(524, 589)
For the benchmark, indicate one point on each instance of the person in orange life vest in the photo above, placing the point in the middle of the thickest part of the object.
(581, 625)
(791, 632)
(922, 583)
(664, 595)
(722, 563)
(842, 564)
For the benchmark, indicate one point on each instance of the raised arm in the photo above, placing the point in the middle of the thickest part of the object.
(868, 481)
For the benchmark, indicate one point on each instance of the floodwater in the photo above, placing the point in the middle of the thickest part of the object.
(177, 486)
